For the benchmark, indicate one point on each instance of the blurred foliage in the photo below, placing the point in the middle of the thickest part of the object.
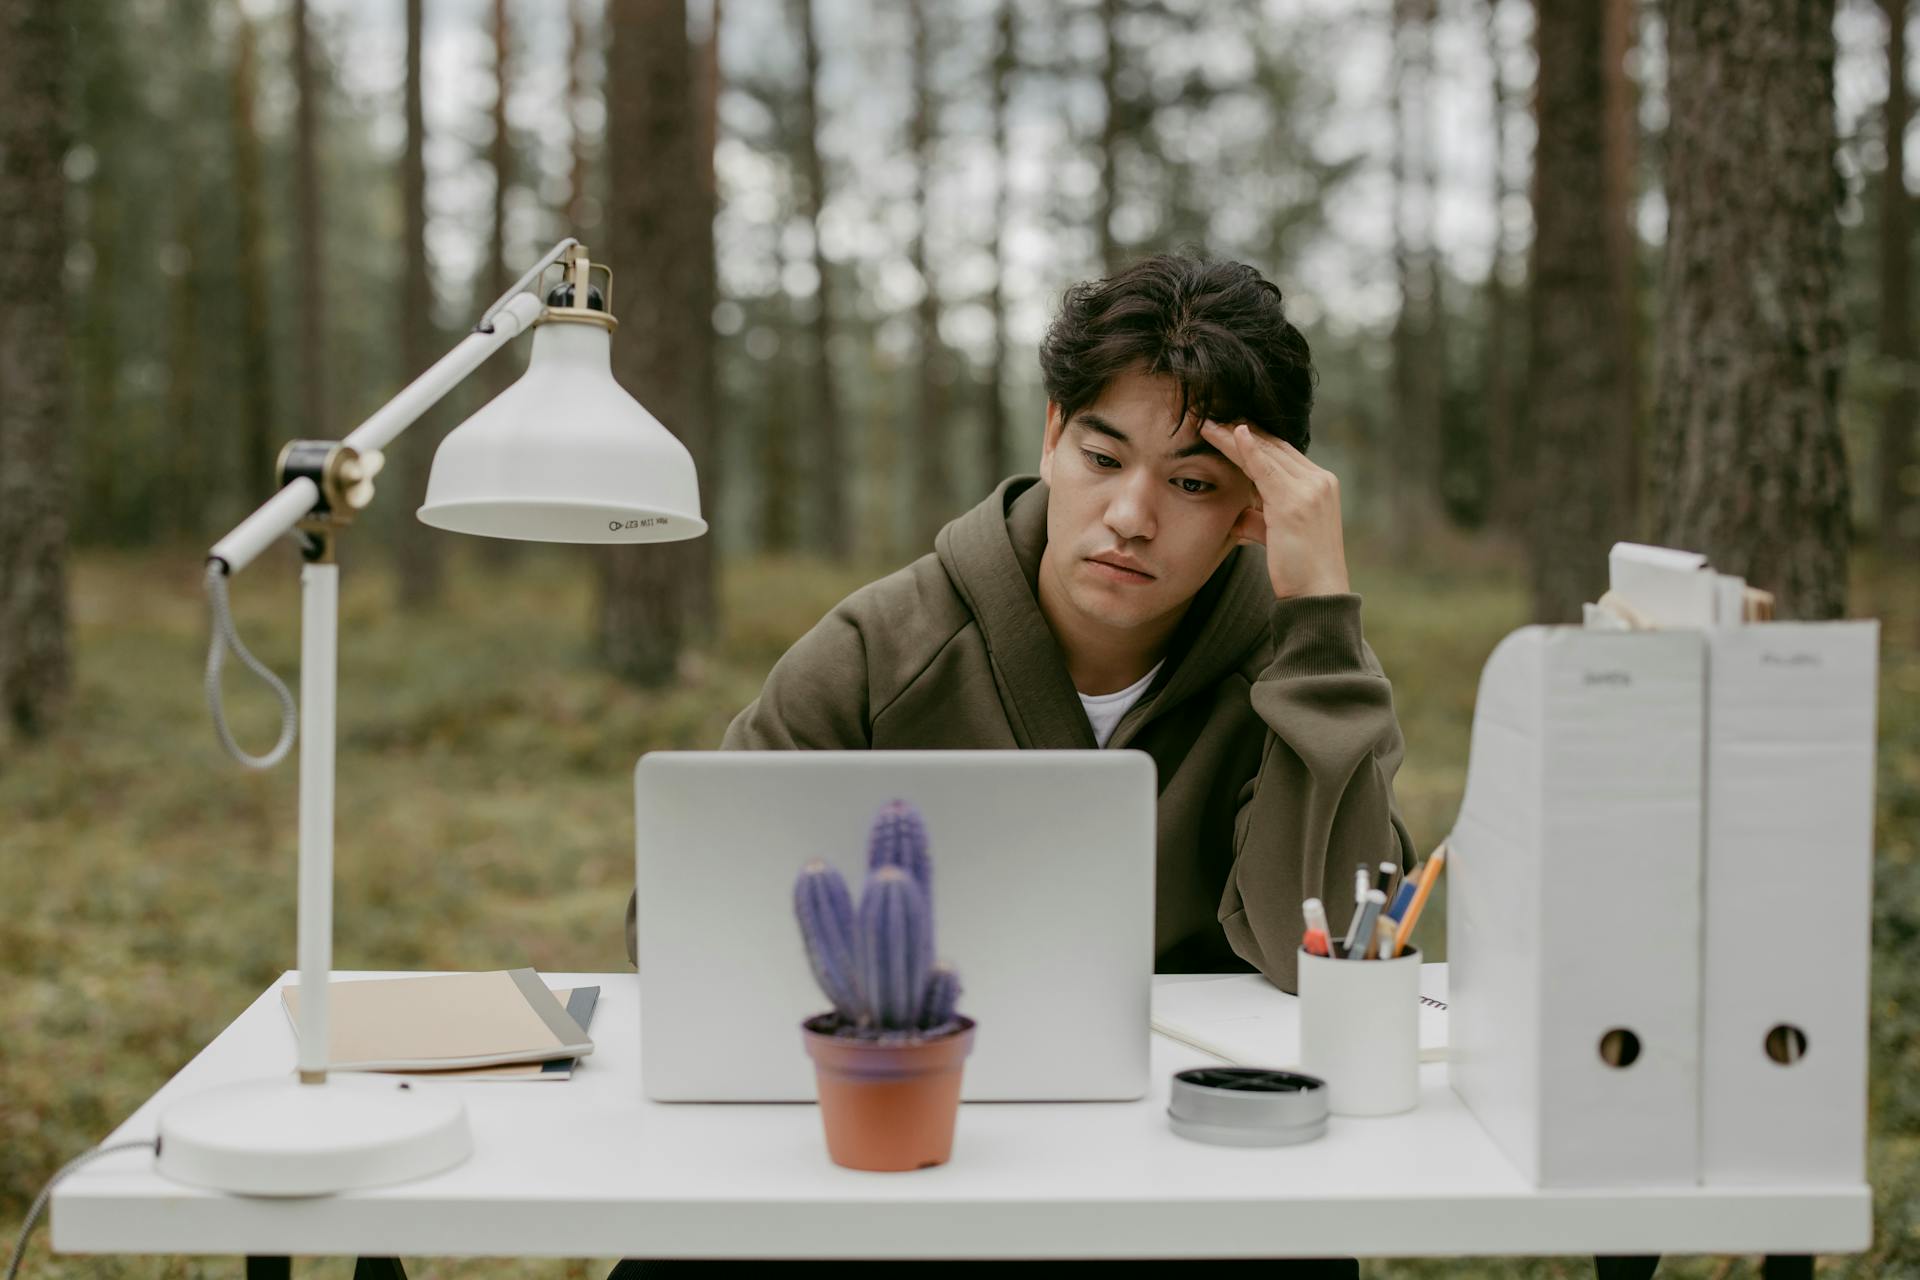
(485, 820)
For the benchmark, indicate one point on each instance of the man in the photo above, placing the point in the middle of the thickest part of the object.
(1174, 581)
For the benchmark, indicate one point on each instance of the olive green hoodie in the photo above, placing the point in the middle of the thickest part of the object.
(1271, 723)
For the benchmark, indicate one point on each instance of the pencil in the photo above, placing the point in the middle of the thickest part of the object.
(1430, 873)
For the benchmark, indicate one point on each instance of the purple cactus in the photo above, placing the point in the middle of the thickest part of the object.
(876, 963)
(898, 838)
(825, 908)
(943, 991)
(895, 948)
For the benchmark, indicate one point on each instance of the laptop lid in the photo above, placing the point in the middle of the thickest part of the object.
(1043, 882)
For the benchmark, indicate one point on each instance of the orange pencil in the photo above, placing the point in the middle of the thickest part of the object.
(1429, 874)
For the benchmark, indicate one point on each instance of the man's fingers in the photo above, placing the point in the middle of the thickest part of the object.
(1276, 452)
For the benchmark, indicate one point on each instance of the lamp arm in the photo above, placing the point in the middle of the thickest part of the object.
(294, 502)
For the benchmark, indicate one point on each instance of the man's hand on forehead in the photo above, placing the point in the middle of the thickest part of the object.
(1295, 511)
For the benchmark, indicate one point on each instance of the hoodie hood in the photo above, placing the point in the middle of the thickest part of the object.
(991, 554)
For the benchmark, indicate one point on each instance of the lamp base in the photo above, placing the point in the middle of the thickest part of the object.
(283, 1138)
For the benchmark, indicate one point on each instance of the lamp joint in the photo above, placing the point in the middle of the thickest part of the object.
(344, 476)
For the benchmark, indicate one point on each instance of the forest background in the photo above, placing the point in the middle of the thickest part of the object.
(1571, 273)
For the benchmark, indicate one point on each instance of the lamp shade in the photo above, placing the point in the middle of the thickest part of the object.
(565, 455)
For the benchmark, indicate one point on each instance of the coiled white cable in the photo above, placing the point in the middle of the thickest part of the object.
(224, 636)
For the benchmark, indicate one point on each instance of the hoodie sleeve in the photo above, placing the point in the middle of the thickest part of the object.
(1322, 801)
(815, 699)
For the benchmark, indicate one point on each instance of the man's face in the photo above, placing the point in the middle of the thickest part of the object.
(1140, 515)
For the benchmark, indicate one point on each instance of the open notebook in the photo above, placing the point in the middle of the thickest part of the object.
(1235, 1018)
(445, 1022)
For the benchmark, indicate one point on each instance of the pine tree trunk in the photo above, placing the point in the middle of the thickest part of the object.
(309, 218)
(576, 211)
(1579, 395)
(1752, 467)
(499, 373)
(995, 454)
(35, 668)
(1504, 484)
(931, 495)
(419, 549)
(1111, 127)
(1897, 516)
(654, 600)
(184, 501)
(1415, 420)
(1620, 161)
(828, 469)
(257, 425)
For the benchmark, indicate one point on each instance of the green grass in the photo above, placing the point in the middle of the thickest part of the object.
(485, 821)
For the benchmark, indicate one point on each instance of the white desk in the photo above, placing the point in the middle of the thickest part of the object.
(589, 1168)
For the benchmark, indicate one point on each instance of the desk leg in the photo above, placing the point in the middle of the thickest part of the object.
(269, 1268)
(1628, 1268)
(379, 1269)
(1783, 1267)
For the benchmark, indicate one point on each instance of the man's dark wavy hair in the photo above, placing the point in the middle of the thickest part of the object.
(1214, 326)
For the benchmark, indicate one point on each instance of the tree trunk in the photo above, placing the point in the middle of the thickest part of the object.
(931, 495)
(182, 471)
(309, 219)
(1505, 484)
(1753, 468)
(996, 452)
(576, 136)
(499, 373)
(35, 670)
(419, 549)
(654, 599)
(185, 499)
(257, 427)
(707, 81)
(828, 469)
(1579, 396)
(1899, 530)
(1414, 438)
(1111, 127)
(1620, 163)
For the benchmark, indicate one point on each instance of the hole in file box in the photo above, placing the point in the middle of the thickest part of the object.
(1619, 1047)
(1786, 1044)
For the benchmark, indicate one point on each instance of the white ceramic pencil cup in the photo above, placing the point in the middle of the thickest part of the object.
(1360, 1031)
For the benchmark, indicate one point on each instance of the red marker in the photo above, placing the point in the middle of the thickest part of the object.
(1317, 938)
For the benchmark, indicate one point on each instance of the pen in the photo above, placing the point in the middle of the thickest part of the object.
(1316, 937)
(1382, 948)
(1383, 879)
(1435, 865)
(1403, 898)
(1360, 937)
(1361, 883)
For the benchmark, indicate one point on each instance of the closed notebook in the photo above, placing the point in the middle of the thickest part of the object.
(444, 1021)
(580, 1003)
(1239, 1018)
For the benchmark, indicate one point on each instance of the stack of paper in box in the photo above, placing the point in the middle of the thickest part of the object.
(1660, 887)
(504, 1025)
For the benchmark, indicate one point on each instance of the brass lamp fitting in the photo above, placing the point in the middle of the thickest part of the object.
(576, 298)
(344, 477)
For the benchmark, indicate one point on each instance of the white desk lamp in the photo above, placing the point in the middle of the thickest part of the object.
(563, 455)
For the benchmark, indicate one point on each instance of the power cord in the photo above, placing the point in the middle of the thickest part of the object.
(225, 637)
(40, 1201)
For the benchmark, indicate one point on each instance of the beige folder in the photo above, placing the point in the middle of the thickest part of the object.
(444, 1021)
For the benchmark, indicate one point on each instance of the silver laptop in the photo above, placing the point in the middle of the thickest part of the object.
(1043, 877)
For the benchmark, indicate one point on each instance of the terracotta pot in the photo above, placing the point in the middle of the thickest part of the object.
(888, 1107)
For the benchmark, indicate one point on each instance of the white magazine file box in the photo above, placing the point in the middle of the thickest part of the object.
(1789, 888)
(1573, 908)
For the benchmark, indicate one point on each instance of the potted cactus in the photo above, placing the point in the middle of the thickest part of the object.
(887, 1057)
